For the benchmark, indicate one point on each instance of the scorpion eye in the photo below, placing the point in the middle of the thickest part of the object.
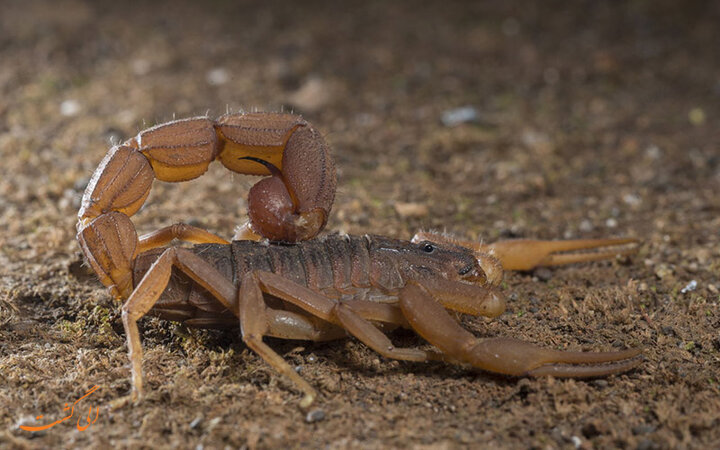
(427, 247)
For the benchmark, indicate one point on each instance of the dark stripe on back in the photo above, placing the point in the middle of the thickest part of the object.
(338, 249)
(287, 261)
(317, 264)
(360, 267)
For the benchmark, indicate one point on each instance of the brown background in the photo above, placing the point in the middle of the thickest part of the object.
(594, 119)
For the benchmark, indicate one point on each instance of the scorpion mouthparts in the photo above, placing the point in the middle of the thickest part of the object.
(491, 267)
(465, 270)
(474, 276)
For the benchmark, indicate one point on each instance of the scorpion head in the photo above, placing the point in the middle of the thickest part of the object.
(485, 263)
(430, 259)
(452, 273)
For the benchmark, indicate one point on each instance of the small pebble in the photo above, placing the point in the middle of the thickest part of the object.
(586, 225)
(696, 116)
(316, 415)
(213, 423)
(69, 108)
(642, 429)
(653, 152)
(217, 76)
(140, 66)
(457, 116)
(543, 273)
(691, 286)
(611, 223)
(577, 442)
(662, 271)
(631, 199)
(194, 424)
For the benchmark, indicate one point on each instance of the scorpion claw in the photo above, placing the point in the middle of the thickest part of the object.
(526, 254)
(588, 371)
(519, 358)
(503, 355)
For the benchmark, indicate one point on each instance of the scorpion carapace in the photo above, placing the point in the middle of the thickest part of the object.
(292, 204)
(337, 284)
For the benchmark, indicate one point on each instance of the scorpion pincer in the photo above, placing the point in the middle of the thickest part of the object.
(320, 289)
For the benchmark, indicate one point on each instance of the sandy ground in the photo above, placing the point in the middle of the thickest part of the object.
(600, 120)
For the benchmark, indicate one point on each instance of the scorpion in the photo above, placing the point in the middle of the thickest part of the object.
(279, 278)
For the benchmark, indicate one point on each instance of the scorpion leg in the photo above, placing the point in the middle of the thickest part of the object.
(285, 324)
(503, 355)
(370, 335)
(181, 231)
(254, 323)
(352, 316)
(147, 292)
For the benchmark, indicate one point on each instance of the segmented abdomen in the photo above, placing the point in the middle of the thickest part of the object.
(335, 265)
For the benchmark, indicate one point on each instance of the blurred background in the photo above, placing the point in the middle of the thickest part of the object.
(489, 119)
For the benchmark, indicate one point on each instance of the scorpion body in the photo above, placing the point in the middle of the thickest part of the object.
(341, 267)
(295, 285)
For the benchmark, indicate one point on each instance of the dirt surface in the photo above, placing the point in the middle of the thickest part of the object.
(600, 120)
